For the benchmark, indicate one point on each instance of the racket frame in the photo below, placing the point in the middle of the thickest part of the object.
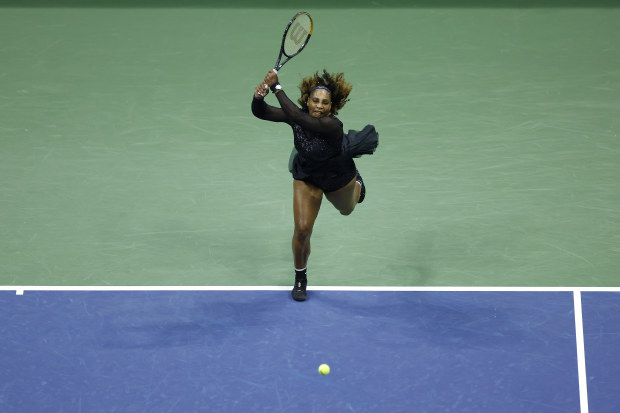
(279, 65)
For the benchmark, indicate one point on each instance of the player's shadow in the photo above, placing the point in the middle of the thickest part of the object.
(157, 324)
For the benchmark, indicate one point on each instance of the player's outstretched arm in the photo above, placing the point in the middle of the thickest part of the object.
(262, 110)
(326, 126)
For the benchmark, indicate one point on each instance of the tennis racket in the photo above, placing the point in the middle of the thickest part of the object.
(295, 38)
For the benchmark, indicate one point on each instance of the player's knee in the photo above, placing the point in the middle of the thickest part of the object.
(346, 212)
(302, 233)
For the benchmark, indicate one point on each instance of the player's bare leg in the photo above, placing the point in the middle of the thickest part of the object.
(307, 200)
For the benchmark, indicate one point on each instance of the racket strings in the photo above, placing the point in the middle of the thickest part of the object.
(297, 35)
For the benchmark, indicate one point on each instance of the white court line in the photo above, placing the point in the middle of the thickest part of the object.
(21, 289)
(581, 354)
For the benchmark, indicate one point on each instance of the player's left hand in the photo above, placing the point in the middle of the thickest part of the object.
(261, 91)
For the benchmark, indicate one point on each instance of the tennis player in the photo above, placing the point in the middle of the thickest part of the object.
(322, 161)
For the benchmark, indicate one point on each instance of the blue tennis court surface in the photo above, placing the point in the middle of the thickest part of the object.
(601, 314)
(258, 351)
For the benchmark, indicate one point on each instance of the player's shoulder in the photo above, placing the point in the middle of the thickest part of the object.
(336, 119)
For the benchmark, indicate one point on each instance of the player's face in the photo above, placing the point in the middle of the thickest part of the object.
(320, 103)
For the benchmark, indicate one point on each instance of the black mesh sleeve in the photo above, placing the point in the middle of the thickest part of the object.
(326, 126)
(262, 110)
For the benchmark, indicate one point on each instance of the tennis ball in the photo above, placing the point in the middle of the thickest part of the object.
(324, 369)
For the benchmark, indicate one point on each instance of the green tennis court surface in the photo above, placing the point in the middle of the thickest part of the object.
(129, 156)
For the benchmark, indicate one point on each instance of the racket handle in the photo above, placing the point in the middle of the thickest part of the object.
(275, 71)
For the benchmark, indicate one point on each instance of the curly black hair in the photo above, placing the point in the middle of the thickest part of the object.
(335, 82)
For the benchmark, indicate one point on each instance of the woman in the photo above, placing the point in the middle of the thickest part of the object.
(320, 164)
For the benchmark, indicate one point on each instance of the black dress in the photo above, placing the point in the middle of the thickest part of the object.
(319, 161)
(323, 154)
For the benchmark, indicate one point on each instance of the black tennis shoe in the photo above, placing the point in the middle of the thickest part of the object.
(299, 290)
(359, 179)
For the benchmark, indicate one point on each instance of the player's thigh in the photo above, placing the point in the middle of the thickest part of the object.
(343, 198)
(307, 200)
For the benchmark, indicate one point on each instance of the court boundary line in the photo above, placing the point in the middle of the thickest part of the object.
(581, 353)
(21, 289)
